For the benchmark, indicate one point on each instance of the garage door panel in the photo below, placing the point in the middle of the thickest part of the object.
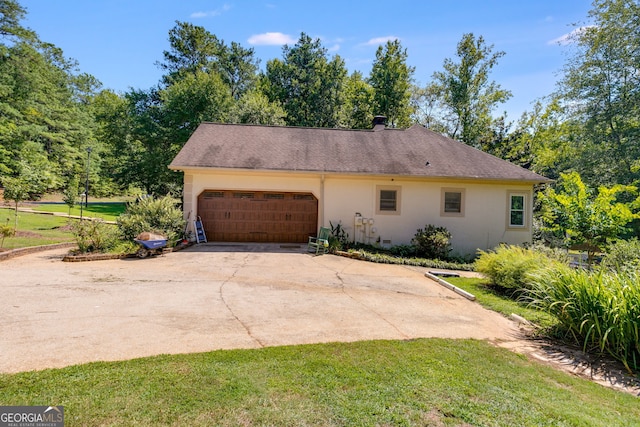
(258, 216)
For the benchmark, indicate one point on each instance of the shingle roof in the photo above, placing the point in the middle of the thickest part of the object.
(384, 152)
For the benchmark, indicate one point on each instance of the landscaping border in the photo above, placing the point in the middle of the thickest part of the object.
(33, 249)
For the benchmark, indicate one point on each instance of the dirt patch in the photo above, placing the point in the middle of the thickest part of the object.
(28, 234)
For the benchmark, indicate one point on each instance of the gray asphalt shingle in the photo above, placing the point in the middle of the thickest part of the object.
(402, 152)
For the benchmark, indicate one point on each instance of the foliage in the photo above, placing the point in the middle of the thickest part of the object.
(600, 310)
(70, 195)
(6, 231)
(385, 258)
(432, 242)
(255, 108)
(94, 235)
(466, 97)
(601, 91)
(390, 79)
(307, 84)
(339, 238)
(404, 251)
(574, 212)
(511, 267)
(357, 109)
(157, 215)
(622, 256)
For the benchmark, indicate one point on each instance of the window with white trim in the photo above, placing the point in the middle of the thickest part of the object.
(517, 210)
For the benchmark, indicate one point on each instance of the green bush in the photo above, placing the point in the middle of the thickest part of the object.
(432, 242)
(623, 255)
(600, 310)
(510, 267)
(95, 235)
(159, 216)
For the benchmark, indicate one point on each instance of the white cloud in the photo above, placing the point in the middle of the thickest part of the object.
(381, 40)
(568, 38)
(334, 48)
(271, 39)
(211, 13)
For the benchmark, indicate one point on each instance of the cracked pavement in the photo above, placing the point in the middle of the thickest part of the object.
(214, 296)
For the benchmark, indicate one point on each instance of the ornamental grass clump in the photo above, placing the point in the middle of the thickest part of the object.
(600, 310)
(510, 267)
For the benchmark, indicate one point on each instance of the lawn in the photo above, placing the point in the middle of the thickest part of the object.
(40, 229)
(417, 382)
(105, 211)
(35, 229)
(492, 300)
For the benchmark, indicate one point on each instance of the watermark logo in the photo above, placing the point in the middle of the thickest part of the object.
(31, 416)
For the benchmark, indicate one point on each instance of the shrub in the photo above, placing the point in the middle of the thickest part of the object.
(432, 242)
(600, 310)
(623, 255)
(159, 216)
(403, 251)
(510, 267)
(95, 235)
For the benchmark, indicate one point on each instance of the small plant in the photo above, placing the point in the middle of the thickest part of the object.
(94, 236)
(6, 231)
(432, 242)
(160, 216)
(339, 239)
(70, 195)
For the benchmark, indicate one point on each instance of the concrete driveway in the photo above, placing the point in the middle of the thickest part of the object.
(209, 297)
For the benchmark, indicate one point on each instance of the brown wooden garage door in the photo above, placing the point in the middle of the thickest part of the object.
(258, 216)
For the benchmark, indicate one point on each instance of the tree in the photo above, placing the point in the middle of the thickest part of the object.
(601, 89)
(582, 217)
(11, 13)
(254, 108)
(357, 110)
(192, 49)
(307, 85)
(238, 69)
(391, 81)
(466, 95)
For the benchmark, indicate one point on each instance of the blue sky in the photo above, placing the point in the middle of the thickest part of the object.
(119, 41)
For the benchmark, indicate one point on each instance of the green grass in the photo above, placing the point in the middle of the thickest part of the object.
(35, 229)
(417, 382)
(105, 211)
(488, 297)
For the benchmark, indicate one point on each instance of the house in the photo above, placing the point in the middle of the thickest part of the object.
(252, 183)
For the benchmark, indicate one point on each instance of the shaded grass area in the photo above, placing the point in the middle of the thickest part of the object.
(35, 229)
(418, 382)
(105, 211)
(493, 299)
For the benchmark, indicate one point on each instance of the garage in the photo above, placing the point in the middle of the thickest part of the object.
(258, 216)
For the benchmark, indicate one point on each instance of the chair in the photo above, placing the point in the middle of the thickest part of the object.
(320, 244)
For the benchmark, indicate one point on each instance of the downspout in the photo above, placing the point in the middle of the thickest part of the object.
(321, 202)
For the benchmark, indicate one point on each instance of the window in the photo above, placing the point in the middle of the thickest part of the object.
(517, 214)
(452, 202)
(388, 200)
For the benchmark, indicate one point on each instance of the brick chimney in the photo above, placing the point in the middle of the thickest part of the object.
(379, 123)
